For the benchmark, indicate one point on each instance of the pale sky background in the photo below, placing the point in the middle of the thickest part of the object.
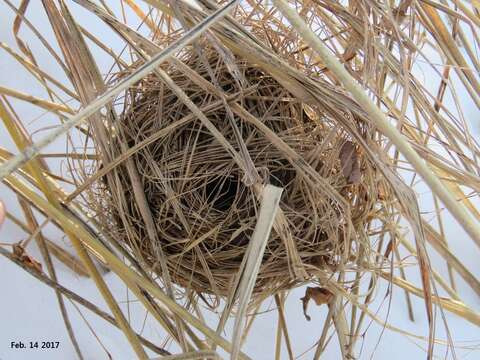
(29, 310)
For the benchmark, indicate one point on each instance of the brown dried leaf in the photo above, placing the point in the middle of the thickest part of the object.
(317, 294)
(20, 253)
(350, 163)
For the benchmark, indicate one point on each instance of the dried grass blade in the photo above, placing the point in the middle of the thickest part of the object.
(35, 70)
(449, 45)
(44, 104)
(283, 329)
(453, 306)
(435, 239)
(270, 200)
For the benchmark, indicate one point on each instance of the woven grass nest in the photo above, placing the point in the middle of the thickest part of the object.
(202, 201)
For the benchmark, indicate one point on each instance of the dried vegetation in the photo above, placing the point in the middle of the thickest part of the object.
(208, 105)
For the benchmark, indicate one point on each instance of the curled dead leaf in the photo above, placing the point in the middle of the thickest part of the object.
(317, 294)
(350, 162)
(382, 192)
(20, 254)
